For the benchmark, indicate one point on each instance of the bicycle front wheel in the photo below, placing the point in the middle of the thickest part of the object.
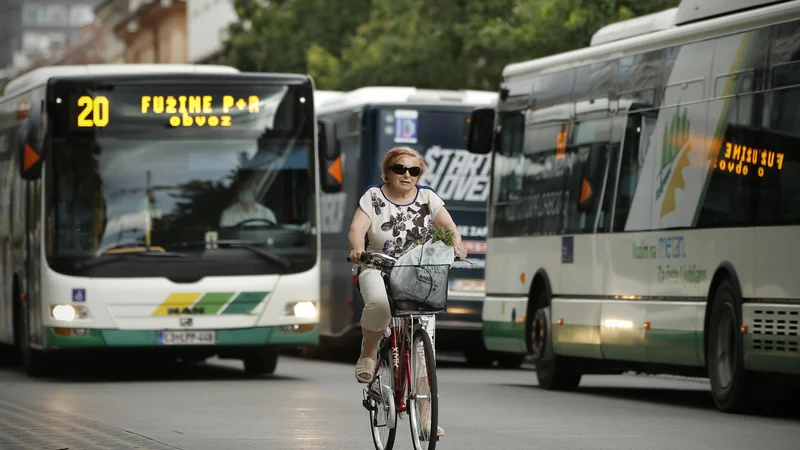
(383, 415)
(423, 401)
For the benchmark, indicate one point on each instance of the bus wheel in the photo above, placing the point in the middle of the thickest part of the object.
(261, 362)
(725, 351)
(554, 372)
(36, 363)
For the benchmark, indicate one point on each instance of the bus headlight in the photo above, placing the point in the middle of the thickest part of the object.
(69, 312)
(304, 310)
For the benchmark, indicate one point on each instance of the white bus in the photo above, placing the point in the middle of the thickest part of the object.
(369, 122)
(169, 209)
(645, 205)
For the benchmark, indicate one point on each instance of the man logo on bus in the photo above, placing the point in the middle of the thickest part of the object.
(676, 144)
(184, 311)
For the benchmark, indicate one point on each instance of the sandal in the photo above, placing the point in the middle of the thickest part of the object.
(427, 430)
(365, 366)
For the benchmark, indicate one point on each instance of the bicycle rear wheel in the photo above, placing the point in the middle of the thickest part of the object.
(423, 401)
(383, 414)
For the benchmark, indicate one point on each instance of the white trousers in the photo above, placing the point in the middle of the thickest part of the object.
(377, 314)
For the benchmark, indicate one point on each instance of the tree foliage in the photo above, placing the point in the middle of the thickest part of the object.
(442, 44)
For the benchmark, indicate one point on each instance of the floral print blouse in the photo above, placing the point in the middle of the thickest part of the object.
(397, 228)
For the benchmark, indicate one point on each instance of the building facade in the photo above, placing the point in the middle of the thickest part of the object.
(40, 30)
(38, 33)
(109, 14)
(155, 32)
(207, 22)
(49, 26)
(10, 31)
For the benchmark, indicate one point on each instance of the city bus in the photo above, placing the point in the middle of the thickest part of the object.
(170, 210)
(368, 122)
(645, 202)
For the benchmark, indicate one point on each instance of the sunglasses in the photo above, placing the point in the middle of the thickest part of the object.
(401, 169)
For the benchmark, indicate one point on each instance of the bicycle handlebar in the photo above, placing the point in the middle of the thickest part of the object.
(364, 254)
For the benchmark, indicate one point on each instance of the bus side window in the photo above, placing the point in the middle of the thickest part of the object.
(636, 135)
(779, 188)
(589, 141)
(506, 218)
(606, 213)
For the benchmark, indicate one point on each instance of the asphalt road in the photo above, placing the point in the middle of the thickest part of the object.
(317, 405)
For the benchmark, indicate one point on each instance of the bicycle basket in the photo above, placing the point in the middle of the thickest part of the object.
(418, 289)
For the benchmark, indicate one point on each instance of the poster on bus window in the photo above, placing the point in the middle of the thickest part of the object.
(405, 126)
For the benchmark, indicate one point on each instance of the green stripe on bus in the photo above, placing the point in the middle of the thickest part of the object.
(776, 358)
(212, 302)
(673, 347)
(245, 302)
(504, 336)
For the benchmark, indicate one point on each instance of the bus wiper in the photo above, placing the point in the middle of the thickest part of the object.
(269, 256)
(120, 256)
(253, 246)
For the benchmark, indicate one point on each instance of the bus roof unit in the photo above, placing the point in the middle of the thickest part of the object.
(323, 96)
(638, 26)
(40, 76)
(696, 10)
(631, 37)
(382, 95)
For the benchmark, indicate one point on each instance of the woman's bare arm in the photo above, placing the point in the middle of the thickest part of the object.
(358, 229)
(444, 220)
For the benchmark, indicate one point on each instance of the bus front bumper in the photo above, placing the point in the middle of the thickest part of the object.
(460, 329)
(279, 336)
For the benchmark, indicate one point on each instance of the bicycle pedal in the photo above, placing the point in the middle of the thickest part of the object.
(367, 406)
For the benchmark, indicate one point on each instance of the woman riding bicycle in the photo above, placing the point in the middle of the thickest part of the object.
(393, 216)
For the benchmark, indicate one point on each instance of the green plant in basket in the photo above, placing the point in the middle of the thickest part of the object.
(440, 234)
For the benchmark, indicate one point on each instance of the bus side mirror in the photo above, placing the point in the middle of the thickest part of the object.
(330, 157)
(30, 143)
(481, 131)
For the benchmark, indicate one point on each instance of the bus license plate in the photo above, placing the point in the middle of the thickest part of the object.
(187, 338)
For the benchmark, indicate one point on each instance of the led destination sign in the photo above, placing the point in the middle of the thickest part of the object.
(750, 151)
(136, 107)
(740, 158)
(183, 110)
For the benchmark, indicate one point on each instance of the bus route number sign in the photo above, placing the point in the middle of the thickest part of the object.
(181, 110)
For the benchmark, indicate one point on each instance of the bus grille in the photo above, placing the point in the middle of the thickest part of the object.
(776, 329)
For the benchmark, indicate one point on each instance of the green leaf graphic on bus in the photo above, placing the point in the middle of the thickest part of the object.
(676, 137)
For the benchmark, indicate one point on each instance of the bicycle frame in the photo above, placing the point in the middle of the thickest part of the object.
(401, 369)
(400, 360)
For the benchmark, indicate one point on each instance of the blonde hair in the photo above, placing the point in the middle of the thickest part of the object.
(393, 155)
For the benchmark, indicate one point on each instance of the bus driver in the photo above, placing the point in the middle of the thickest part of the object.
(246, 208)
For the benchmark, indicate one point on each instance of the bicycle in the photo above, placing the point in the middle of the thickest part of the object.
(393, 392)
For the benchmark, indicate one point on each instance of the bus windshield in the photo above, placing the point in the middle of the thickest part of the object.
(230, 199)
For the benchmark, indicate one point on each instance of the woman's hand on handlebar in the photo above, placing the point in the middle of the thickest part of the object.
(460, 252)
(355, 255)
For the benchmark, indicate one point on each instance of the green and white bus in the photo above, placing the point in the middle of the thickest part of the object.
(645, 201)
(166, 209)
